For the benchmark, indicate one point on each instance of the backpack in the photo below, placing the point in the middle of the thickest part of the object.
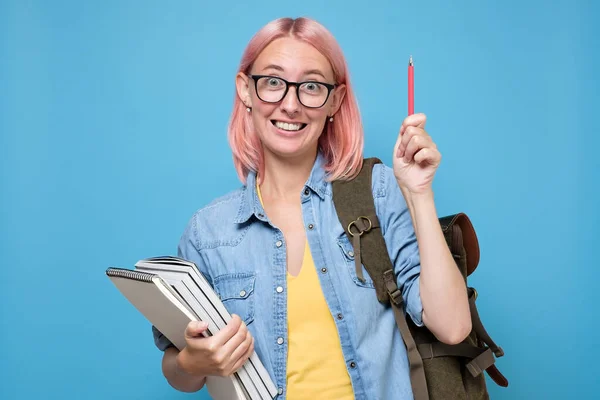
(437, 370)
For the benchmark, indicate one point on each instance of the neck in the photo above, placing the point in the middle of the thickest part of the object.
(284, 178)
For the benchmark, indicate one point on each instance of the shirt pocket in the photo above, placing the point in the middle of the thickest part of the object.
(348, 254)
(236, 291)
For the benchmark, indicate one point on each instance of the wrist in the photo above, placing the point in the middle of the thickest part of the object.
(421, 197)
(181, 362)
(416, 198)
(421, 207)
(177, 372)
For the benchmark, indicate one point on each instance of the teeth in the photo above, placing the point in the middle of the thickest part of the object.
(288, 127)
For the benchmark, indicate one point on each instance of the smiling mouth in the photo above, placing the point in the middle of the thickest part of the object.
(285, 126)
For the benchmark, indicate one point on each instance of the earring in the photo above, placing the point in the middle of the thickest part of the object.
(330, 119)
(248, 109)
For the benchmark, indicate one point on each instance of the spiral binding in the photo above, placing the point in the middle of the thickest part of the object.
(129, 274)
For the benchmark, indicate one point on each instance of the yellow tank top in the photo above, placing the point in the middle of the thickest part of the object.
(315, 365)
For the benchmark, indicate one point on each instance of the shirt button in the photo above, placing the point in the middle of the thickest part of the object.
(261, 215)
(351, 253)
(280, 340)
(242, 293)
(280, 390)
(352, 364)
(323, 270)
(340, 316)
(278, 243)
(310, 226)
(306, 192)
(279, 289)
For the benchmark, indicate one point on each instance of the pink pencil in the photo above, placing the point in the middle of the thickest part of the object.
(411, 87)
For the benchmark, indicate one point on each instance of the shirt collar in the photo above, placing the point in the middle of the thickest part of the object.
(317, 178)
(250, 203)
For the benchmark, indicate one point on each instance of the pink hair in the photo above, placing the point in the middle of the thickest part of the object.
(342, 141)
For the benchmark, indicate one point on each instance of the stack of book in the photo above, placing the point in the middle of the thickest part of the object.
(170, 292)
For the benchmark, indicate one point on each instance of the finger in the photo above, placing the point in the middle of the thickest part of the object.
(416, 143)
(428, 156)
(398, 146)
(195, 329)
(250, 350)
(225, 334)
(404, 139)
(418, 120)
(409, 133)
(237, 339)
(239, 363)
(242, 349)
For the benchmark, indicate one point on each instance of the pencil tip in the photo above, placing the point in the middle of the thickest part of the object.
(410, 61)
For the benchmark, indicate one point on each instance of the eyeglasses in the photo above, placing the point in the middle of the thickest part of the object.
(272, 89)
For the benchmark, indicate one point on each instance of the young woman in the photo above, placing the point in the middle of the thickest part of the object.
(277, 254)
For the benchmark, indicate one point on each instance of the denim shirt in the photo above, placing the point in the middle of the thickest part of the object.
(243, 256)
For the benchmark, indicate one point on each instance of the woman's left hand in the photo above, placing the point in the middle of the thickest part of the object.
(416, 156)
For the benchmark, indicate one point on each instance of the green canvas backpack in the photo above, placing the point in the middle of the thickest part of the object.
(437, 370)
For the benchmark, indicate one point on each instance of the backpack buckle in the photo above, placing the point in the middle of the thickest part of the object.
(392, 289)
(472, 292)
(361, 226)
(396, 297)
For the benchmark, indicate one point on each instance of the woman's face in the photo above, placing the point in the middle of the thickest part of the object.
(288, 128)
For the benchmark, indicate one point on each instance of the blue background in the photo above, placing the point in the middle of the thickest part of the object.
(113, 118)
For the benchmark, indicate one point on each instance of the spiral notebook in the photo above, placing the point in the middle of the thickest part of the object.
(170, 292)
(185, 276)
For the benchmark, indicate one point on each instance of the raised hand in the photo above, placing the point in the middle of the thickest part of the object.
(416, 156)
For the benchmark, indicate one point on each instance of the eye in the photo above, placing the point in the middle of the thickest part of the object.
(273, 82)
(312, 87)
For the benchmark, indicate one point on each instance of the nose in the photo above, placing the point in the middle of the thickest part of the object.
(290, 103)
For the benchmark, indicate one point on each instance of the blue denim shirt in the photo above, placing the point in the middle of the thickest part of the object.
(238, 250)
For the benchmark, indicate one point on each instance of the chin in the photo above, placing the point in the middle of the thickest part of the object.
(287, 150)
(290, 148)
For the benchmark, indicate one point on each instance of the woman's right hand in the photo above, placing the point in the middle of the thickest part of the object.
(221, 354)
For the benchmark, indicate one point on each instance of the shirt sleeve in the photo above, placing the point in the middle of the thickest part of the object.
(188, 250)
(398, 232)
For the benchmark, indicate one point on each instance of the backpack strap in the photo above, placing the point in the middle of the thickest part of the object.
(480, 358)
(355, 207)
(356, 210)
(486, 360)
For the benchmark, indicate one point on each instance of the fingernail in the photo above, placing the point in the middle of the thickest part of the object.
(201, 324)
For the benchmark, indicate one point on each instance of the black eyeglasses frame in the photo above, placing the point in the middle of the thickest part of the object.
(329, 87)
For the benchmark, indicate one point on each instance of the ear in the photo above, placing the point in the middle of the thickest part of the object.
(338, 96)
(242, 85)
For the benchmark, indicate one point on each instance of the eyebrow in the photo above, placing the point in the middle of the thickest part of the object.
(309, 72)
(315, 72)
(273, 66)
